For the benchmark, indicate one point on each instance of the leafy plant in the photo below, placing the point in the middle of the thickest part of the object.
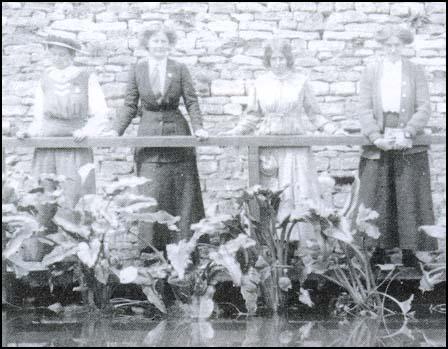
(433, 263)
(83, 241)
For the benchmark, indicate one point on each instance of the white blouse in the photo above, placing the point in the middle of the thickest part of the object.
(98, 120)
(391, 86)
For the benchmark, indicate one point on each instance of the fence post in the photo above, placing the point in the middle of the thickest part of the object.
(253, 165)
(4, 290)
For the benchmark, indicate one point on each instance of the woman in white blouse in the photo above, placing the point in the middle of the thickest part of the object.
(68, 102)
(278, 104)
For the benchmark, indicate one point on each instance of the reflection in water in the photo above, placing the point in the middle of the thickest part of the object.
(42, 329)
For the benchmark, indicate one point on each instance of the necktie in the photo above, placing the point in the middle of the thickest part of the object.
(155, 80)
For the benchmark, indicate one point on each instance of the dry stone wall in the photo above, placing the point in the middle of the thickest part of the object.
(222, 45)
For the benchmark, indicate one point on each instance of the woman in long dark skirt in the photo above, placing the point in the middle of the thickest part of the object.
(158, 83)
(394, 173)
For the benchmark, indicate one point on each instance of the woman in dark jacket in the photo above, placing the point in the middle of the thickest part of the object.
(158, 83)
(394, 173)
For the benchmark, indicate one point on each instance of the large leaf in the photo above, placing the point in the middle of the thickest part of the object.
(304, 297)
(128, 275)
(62, 239)
(71, 227)
(364, 222)
(339, 234)
(241, 241)
(85, 170)
(127, 198)
(137, 207)
(161, 217)
(434, 231)
(202, 306)
(249, 289)
(102, 271)
(430, 279)
(211, 225)
(227, 260)
(22, 221)
(88, 252)
(157, 334)
(124, 183)
(284, 283)
(15, 243)
(179, 256)
(154, 298)
(58, 254)
(406, 305)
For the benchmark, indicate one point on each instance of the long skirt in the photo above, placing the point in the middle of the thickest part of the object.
(293, 169)
(64, 162)
(177, 190)
(398, 187)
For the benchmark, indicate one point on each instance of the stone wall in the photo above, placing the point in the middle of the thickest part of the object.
(222, 45)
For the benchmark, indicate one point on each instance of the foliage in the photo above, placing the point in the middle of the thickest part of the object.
(83, 240)
(433, 263)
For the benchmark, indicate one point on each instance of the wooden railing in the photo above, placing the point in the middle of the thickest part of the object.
(254, 143)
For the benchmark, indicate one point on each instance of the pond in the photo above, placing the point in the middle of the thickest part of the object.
(42, 329)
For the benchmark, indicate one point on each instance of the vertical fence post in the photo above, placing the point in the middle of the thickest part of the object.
(4, 294)
(254, 167)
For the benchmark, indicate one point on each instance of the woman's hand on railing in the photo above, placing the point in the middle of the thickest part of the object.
(201, 134)
(109, 133)
(79, 135)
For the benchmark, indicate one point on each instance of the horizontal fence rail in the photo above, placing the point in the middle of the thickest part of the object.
(189, 141)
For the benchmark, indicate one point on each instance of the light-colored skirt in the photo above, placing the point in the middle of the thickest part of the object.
(294, 169)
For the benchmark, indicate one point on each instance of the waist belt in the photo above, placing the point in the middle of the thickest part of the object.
(161, 108)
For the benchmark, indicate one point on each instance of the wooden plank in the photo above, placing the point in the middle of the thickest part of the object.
(253, 166)
(189, 141)
(4, 288)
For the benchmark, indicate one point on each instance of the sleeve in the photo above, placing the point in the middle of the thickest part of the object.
(36, 126)
(311, 107)
(190, 98)
(251, 116)
(129, 111)
(369, 125)
(422, 104)
(97, 122)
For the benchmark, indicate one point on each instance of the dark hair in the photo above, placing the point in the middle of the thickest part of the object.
(281, 46)
(403, 34)
(147, 33)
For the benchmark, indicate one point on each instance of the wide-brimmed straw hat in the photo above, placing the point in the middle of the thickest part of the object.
(55, 40)
(404, 34)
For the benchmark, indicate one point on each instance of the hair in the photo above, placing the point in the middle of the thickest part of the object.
(403, 34)
(147, 33)
(278, 46)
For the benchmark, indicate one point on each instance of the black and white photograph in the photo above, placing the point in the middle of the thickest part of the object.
(224, 174)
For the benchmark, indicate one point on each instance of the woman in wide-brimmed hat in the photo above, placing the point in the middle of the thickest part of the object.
(68, 102)
(394, 173)
(158, 83)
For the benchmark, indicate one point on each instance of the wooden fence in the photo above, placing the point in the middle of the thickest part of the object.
(254, 143)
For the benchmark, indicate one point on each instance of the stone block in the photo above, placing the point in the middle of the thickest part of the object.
(114, 90)
(223, 26)
(74, 25)
(278, 6)
(343, 88)
(303, 6)
(233, 109)
(250, 7)
(319, 45)
(320, 88)
(221, 7)
(257, 25)
(227, 88)
(344, 6)
(246, 60)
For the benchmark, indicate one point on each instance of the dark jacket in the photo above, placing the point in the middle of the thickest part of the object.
(160, 114)
(415, 108)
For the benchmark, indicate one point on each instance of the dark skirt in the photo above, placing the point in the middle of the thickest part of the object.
(176, 187)
(398, 187)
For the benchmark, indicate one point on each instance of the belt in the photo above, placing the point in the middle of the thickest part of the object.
(161, 108)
